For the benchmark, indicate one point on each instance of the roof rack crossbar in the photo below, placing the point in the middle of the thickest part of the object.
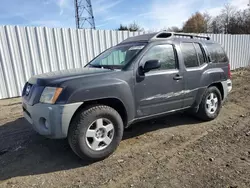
(189, 35)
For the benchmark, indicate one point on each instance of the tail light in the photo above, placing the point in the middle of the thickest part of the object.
(229, 71)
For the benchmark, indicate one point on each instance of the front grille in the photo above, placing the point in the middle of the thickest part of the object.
(34, 95)
(24, 88)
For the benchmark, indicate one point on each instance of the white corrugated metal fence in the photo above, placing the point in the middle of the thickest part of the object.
(27, 51)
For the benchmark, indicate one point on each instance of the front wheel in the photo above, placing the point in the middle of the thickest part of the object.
(95, 132)
(210, 105)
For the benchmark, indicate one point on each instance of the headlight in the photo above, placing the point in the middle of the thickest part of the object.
(50, 95)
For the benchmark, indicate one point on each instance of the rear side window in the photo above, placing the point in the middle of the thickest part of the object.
(189, 55)
(200, 53)
(217, 53)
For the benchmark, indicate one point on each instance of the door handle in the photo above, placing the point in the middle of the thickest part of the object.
(178, 77)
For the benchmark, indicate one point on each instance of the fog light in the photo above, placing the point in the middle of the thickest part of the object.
(44, 123)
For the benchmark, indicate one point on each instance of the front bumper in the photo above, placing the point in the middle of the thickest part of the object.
(50, 120)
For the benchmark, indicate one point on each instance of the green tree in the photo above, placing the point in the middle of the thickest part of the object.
(197, 23)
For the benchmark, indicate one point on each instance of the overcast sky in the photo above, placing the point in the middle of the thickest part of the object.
(109, 14)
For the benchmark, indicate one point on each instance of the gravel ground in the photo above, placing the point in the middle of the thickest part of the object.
(174, 151)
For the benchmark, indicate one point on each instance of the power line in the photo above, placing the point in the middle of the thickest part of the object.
(84, 14)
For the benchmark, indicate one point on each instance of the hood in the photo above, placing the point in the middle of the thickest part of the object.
(57, 77)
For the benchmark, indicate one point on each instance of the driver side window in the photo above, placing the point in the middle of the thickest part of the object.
(165, 54)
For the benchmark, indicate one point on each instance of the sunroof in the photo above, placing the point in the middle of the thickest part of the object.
(164, 35)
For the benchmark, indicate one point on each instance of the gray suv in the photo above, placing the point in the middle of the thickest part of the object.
(143, 77)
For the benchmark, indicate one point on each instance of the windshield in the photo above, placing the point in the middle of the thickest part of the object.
(116, 57)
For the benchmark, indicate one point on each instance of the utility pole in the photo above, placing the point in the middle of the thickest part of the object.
(84, 14)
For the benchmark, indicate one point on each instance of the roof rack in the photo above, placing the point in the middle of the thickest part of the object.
(191, 36)
(165, 34)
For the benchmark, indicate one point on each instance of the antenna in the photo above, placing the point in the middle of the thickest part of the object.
(84, 14)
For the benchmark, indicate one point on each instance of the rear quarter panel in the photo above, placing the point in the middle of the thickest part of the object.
(198, 81)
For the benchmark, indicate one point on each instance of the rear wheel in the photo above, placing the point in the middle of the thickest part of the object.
(95, 132)
(210, 105)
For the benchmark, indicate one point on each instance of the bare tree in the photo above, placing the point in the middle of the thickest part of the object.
(208, 22)
(135, 27)
(230, 21)
(239, 23)
(217, 25)
(123, 28)
(228, 12)
(221, 23)
(131, 27)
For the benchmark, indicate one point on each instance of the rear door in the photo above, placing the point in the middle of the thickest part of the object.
(195, 62)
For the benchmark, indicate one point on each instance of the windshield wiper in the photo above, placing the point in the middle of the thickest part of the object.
(95, 66)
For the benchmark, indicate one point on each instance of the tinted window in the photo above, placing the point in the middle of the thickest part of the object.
(217, 53)
(164, 53)
(189, 55)
(200, 53)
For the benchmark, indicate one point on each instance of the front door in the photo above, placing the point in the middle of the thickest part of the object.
(161, 90)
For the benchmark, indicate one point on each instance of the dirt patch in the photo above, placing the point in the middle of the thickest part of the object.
(175, 151)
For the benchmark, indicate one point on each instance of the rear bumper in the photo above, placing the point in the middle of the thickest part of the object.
(50, 120)
(227, 88)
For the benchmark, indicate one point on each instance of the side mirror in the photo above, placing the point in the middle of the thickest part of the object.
(150, 65)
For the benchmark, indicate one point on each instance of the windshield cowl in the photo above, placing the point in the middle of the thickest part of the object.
(103, 66)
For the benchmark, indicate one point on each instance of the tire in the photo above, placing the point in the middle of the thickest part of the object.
(82, 126)
(203, 112)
